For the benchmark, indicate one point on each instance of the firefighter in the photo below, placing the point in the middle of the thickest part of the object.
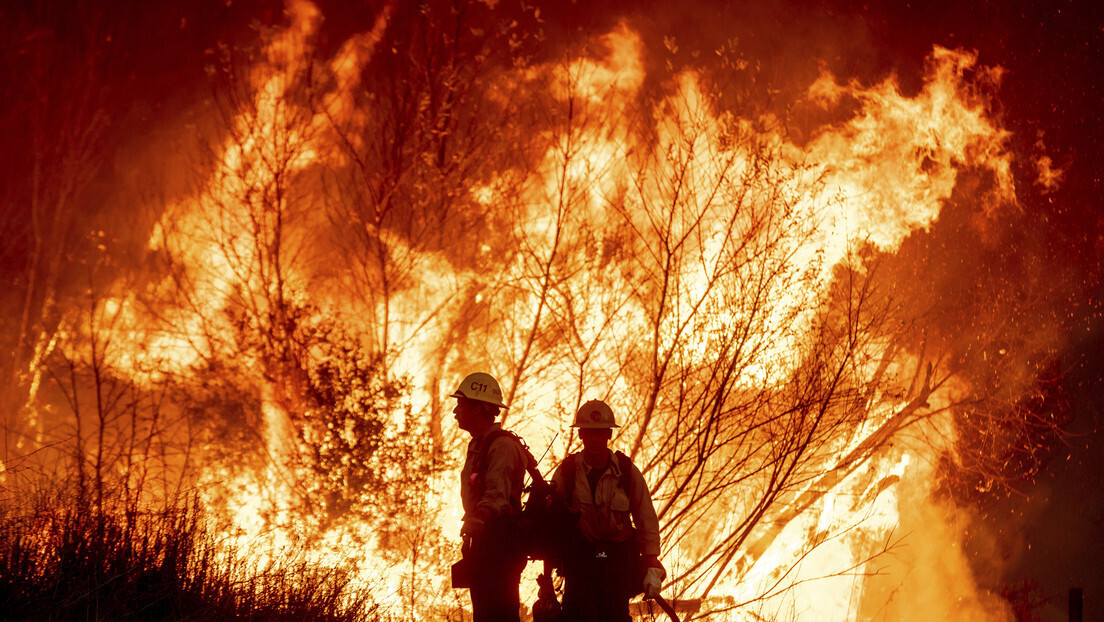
(490, 488)
(615, 554)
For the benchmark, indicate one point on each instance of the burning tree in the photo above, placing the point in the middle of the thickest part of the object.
(340, 440)
(438, 197)
(416, 106)
(56, 127)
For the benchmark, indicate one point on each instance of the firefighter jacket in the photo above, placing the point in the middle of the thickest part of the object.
(492, 477)
(604, 513)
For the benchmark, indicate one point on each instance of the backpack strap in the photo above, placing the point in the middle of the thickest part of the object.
(624, 464)
(569, 477)
(530, 461)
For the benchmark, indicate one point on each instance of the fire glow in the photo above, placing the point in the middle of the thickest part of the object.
(703, 271)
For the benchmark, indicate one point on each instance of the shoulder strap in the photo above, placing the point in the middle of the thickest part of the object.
(530, 461)
(485, 446)
(569, 477)
(625, 464)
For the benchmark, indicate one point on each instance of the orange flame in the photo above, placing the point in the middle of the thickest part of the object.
(877, 177)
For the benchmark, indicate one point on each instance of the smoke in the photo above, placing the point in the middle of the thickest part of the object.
(930, 575)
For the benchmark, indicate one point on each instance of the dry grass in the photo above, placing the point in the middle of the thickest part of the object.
(63, 560)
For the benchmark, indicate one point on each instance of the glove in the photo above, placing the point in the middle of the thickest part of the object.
(473, 527)
(653, 580)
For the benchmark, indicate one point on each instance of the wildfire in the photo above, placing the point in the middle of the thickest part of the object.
(678, 258)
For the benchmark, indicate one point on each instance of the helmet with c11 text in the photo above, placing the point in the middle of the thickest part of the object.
(595, 414)
(481, 387)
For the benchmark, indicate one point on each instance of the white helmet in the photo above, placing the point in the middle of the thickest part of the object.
(482, 387)
(595, 414)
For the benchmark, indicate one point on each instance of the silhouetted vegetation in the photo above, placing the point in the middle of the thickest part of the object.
(62, 559)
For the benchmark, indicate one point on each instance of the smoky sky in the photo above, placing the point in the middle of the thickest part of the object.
(1051, 53)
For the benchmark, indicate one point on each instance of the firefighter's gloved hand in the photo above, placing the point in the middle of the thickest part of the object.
(653, 580)
(473, 527)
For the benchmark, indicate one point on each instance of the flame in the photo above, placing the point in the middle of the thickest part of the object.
(875, 177)
(897, 159)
